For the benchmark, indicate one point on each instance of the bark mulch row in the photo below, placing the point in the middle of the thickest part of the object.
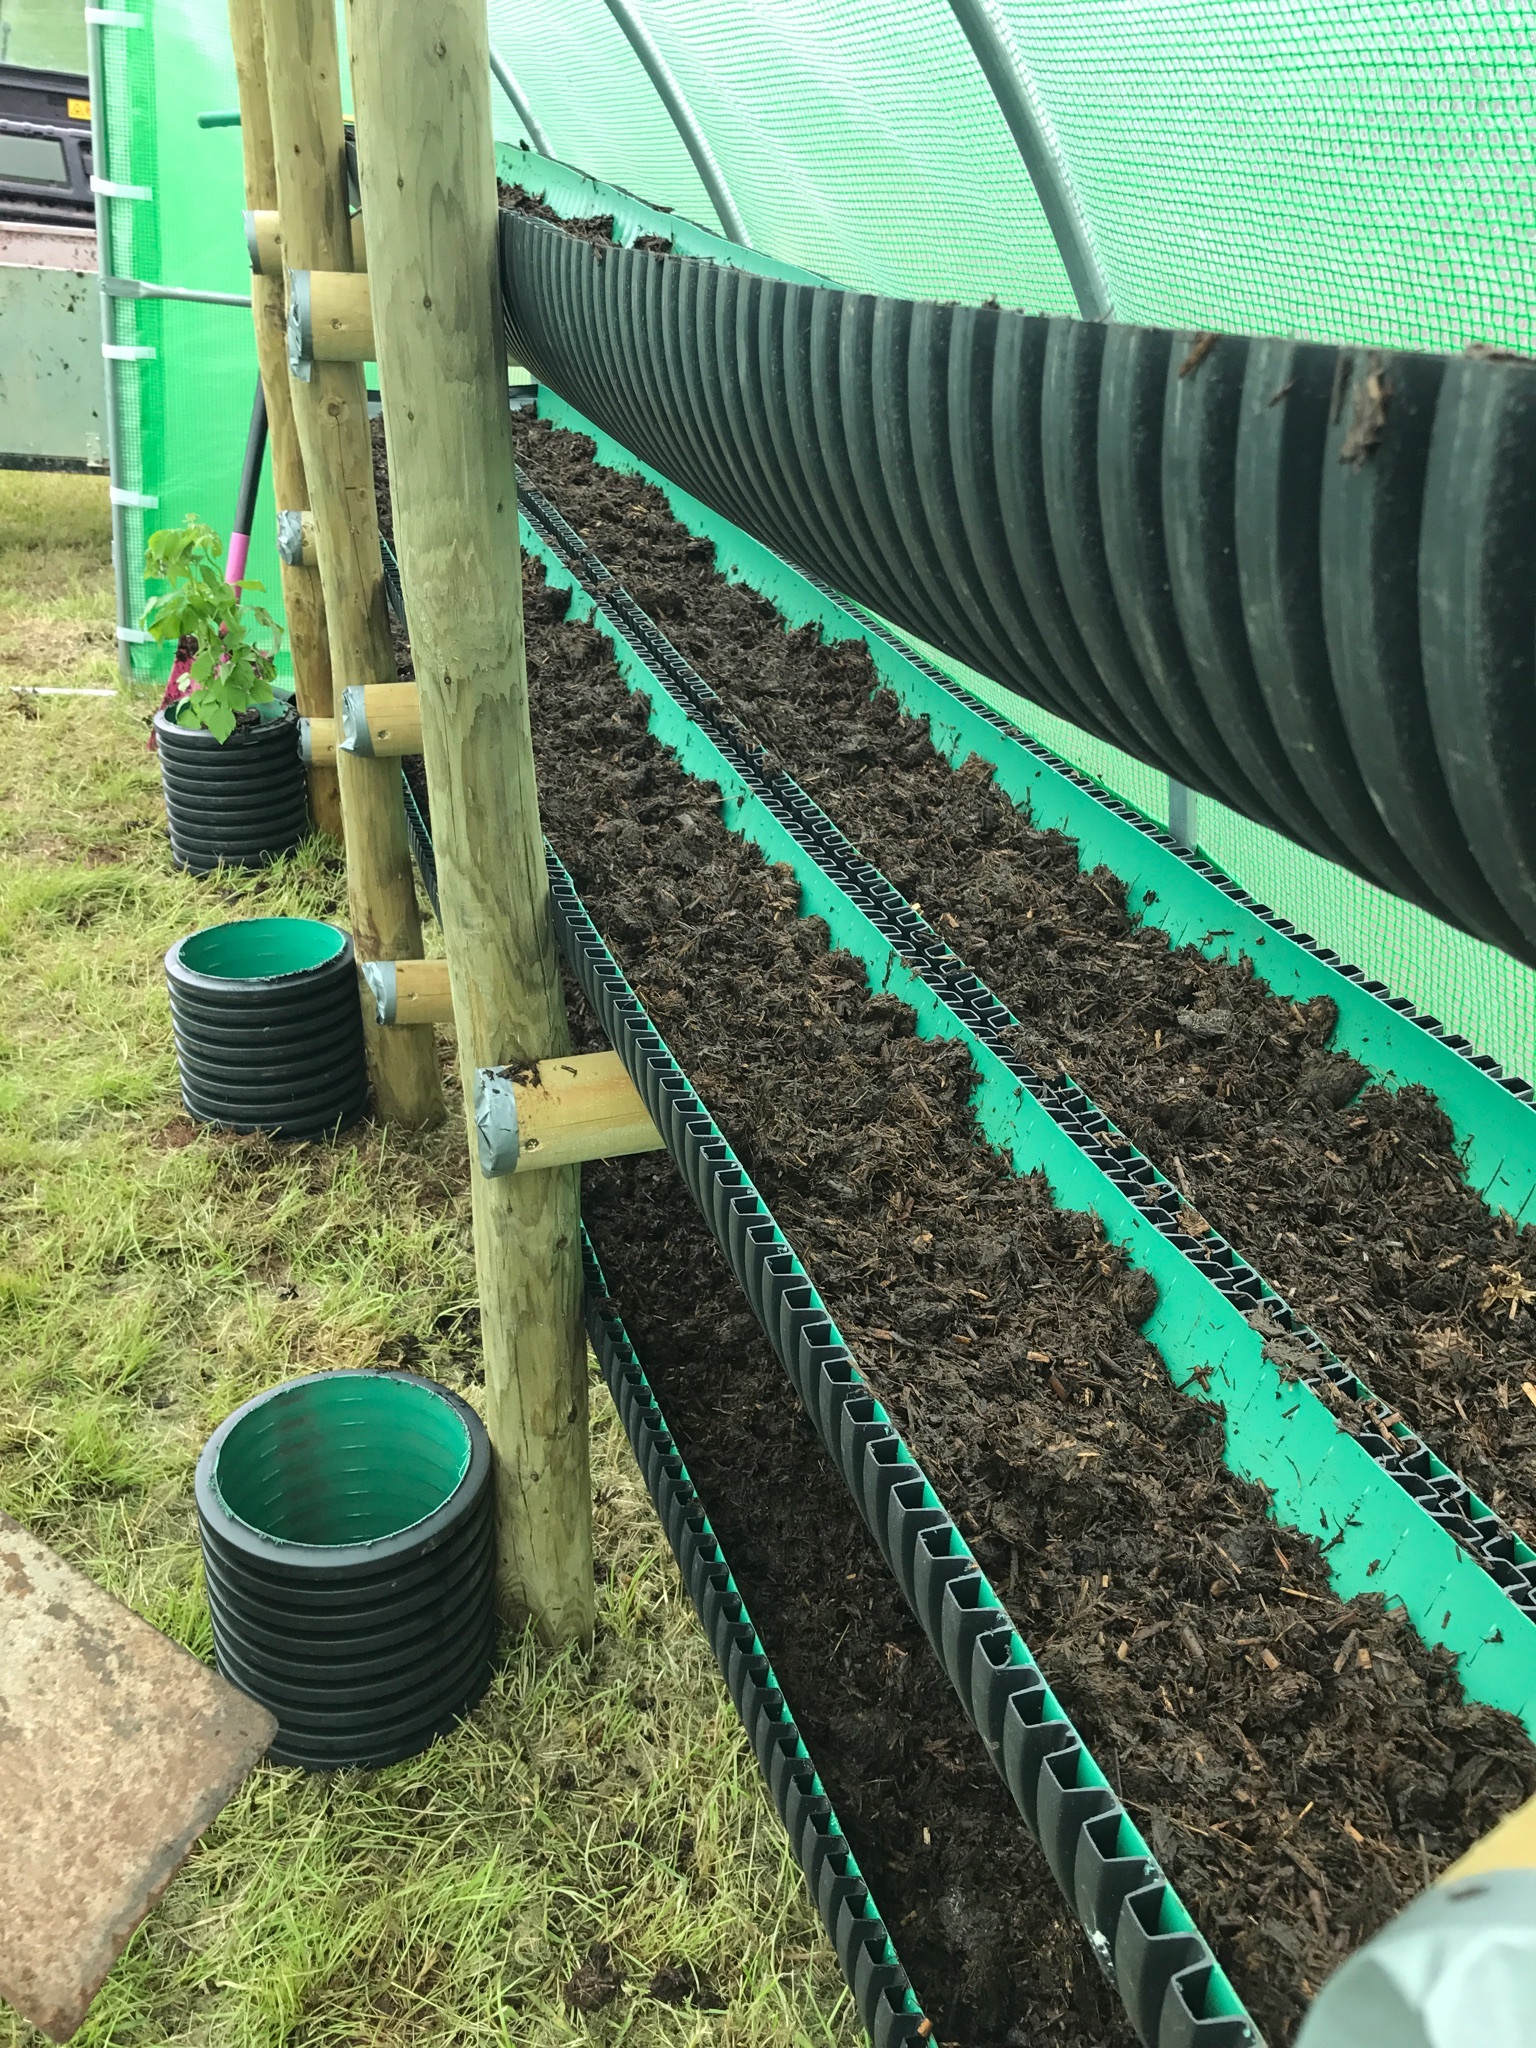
(1299, 1763)
(1352, 1202)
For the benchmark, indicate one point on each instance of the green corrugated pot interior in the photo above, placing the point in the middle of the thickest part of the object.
(261, 948)
(349, 1458)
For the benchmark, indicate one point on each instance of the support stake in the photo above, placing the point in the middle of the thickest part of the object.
(303, 596)
(421, 83)
(331, 410)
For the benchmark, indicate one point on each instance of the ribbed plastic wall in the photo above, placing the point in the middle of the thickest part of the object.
(1274, 571)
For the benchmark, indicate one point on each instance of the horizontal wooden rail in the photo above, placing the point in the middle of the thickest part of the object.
(264, 241)
(380, 721)
(573, 1107)
(410, 991)
(330, 317)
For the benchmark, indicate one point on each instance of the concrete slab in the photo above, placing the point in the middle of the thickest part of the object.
(116, 1751)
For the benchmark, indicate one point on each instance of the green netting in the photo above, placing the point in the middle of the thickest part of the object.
(184, 409)
(1355, 172)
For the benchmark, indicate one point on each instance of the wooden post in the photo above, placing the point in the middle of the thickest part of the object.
(421, 88)
(331, 410)
(303, 597)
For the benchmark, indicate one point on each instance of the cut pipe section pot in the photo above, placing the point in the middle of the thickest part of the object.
(268, 1026)
(350, 1557)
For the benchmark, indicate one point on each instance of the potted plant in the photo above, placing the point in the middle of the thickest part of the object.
(228, 743)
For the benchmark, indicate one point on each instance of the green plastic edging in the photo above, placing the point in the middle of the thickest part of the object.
(261, 948)
(1278, 1433)
(1497, 1132)
(572, 193)
(349, 1458)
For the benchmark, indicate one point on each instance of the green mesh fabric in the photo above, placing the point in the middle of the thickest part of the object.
(597, 107)
(1352, 170)
(184, 411)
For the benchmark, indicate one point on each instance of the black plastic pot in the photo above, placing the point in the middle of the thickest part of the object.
(241, 801)
(269, 1027)
(351, 1562)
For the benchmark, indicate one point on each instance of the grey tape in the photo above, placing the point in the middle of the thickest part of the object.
(383, 983)
(355, 736)
(300, 328)
(290, 538)
(496, 1120)
(251, 248)
(306, 743)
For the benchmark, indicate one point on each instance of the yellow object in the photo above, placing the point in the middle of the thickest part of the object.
(1509, 1846)
(78, 110)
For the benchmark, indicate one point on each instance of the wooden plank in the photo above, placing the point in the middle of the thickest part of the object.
(580, 1106)
(117, 1749)
(303, 596)
(340, 324)
(421, 89)
(331, 411)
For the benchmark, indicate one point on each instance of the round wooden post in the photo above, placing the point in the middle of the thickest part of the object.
(303, 597)
(331, 411)
(421, 88)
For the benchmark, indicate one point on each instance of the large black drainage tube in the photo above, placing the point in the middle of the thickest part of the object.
(1298, 578)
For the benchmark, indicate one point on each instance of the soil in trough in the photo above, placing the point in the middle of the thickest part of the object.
(1299, 1764)
(1351, 1201)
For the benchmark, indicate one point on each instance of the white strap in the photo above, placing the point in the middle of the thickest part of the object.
(136, 499)
(127, 352)
(108, 190)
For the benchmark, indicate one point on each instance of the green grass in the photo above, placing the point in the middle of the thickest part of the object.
(152, 1276)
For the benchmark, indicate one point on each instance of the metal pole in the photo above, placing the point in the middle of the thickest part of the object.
(1183, 814)
(126, 628)
(1031, 128)
(136, 288)
(684, 119)
(520, 106)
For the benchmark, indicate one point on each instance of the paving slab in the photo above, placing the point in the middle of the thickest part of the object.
(117, 1749)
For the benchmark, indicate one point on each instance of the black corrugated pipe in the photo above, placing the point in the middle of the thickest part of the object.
(269, 1026)
(241, 802)
(351, 1564)
(1281, 574)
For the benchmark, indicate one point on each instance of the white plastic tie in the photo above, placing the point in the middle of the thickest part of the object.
(127, 352)
(109, 190)
(137, 501)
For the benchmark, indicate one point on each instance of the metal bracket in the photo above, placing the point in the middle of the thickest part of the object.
(383, 984)
(299, 326)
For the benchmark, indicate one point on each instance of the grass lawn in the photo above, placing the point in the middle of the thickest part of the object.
(153, 1275)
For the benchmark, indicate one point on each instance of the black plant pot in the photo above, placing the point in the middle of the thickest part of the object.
(349, 1551)
(269, 1026)
(241, 801)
